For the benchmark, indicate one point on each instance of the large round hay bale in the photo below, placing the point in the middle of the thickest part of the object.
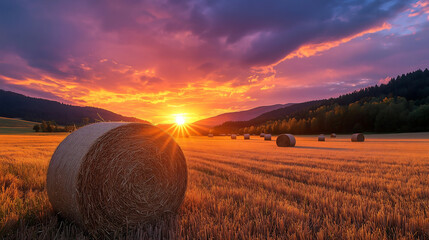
(285, 140)
(321, 138)
(110, 176)
(262, 135)
(333, 135)
(267, 137)
(358, 137)
(210, 135)
(233, 136)
(246, 136)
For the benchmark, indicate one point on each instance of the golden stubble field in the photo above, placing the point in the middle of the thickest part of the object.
(241, 189)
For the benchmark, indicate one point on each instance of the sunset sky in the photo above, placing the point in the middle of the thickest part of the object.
(155, 59)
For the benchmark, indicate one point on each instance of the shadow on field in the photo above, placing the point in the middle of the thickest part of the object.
(45, 226)
(322, 148)
(52, 226)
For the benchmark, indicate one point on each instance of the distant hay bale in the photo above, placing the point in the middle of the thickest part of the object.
(110, 176)
(233, 136)
(262, 135)
(321, 138)
(333, 135)
(246, 136)
(267, 137)
(286, 140)
(210, 135)
(358, 137)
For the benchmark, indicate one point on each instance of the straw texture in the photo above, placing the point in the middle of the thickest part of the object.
(285, 140)
(358, 137)
(108, 176)
(267, 137)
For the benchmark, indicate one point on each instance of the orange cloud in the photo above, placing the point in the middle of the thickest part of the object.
(385, 80)
(313, 49)
(419, 8)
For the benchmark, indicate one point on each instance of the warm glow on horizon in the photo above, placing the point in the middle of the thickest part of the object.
(180, 120)
(183, 127)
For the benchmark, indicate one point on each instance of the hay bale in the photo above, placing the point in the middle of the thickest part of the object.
(321, 138)
(358, 137)
(233, 136)
(267, 137)
(333, 135)
(246, 136)
(110, 176)
(210, 135)
(285, 140)
(262, 135)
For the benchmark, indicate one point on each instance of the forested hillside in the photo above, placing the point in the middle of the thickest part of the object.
(399, 106)
(14, 105)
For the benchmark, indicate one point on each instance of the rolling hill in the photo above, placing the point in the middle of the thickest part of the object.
(14, 122)
(14, 126)
(239, 116)
(14, 105)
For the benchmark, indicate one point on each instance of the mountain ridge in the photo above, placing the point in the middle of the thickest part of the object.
(239, 115)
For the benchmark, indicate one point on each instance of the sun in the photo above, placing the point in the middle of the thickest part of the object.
(180, 120)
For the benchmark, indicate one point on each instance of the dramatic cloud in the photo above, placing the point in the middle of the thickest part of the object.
(152, 59)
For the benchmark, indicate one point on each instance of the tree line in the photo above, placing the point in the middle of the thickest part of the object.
(52, 126)
(385, 115)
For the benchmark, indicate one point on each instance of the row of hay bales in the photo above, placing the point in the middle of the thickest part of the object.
(356, 137)
(289, 140)
(321, 137)
(267, 137)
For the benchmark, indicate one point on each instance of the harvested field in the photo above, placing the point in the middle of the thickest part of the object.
(251, 189)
